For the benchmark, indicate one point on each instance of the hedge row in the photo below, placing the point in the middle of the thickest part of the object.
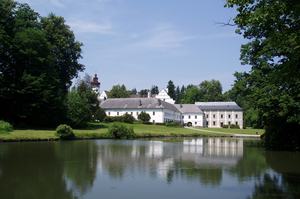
(232, 126)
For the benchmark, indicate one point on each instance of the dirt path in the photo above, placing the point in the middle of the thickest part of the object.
(235, 135)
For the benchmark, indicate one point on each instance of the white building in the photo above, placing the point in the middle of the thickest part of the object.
(162, 108)
(217, 114)
(160, 111)
(191, 115)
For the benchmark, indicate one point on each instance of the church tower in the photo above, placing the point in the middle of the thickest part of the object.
(96, 84)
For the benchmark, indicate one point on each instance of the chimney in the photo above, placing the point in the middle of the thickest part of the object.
(140, 102)
(149, 94)
(180, 105)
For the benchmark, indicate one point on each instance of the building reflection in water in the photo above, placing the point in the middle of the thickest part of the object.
(157, 158)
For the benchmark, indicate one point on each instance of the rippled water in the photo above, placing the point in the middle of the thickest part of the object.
(154, 168)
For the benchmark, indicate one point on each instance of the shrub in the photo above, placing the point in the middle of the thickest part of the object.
(128, 118)
(108, 119)
(119, 130)
(232, 126)
(5, 126)
(147, 122)
(64, 131)
(144, 116)
(99, 114)
(173, 124)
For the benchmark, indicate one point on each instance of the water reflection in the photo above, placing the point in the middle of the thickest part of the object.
(216, 167)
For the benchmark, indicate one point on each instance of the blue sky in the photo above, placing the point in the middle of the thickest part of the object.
(140, 43)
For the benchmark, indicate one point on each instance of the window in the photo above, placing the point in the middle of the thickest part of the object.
(229, 123)
(182, 117)
(153, 121)
(108, 113)
(214, 116)
(196, 117)
(206, 116)
(137, 113)
(189, 117)
(126, 112)
(214, 123)
(229, 116)
(236, 123)
(222, 116)
(153, 112)
(221, 124)
(236, 116)
(117, 113)
(131, 113)
(195, 123)
(207, 123)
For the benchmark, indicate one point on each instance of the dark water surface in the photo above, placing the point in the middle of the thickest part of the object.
(157, 168)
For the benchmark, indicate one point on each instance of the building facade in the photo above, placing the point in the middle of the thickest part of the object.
(217, 114)
(162, 109)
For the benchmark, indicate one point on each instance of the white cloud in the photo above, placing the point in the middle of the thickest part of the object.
(162, 38)
(90, 27)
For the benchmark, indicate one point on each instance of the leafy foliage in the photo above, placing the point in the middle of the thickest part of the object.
(208, 91)
(144, 116)
(128, 118)
(272, 85)
(120, 130)
(99, 114)
(232, 126)
(5, 127)
(78, 109)
(64, 131)
(118, 91)
(36, 68)
(173, 124)
(171, 89)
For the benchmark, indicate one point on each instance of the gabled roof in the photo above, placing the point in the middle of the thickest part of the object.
(188, 108)
(136, 103)
(218, 106)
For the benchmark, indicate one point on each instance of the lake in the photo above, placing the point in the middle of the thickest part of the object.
(147, 168)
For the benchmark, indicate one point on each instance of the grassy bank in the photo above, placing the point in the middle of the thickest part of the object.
(99, 130)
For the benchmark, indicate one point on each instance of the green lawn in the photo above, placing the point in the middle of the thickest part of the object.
(100, 130)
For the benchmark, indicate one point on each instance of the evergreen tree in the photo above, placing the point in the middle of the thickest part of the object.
(171, 89)
(154, 90)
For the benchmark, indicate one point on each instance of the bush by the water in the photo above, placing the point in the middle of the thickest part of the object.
(173, 124)
(5, 127)
(120, 130)
(232, 126)
(64, 131)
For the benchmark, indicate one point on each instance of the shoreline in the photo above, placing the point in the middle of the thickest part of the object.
(146, 136)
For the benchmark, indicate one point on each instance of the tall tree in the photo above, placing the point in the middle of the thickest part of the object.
(65, 49)
(144, 92)
(154, 89)
(118, 91)
(29, 90)
(134, 91)
(273, 84)
(171, 89)
(192, 95)
(211, 91)
(30, 84)
(178, 95)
